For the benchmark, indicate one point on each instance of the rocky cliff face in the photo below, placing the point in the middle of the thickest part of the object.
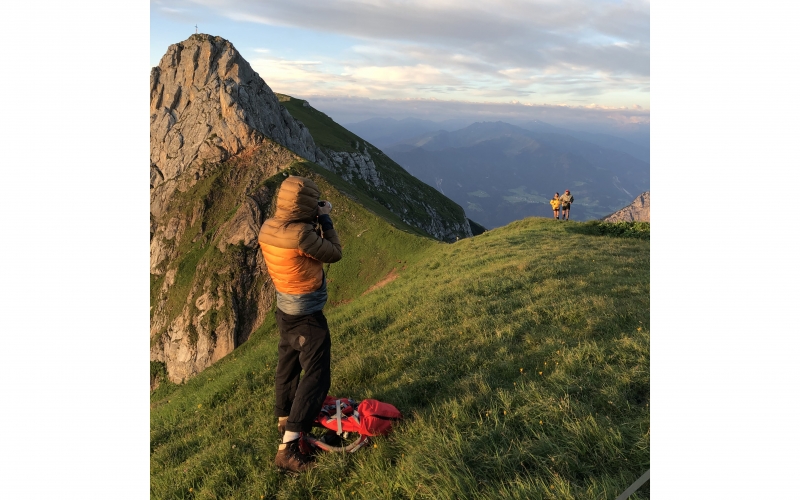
(351, 165)
(209, 286)
(207, 105)
(638, 210)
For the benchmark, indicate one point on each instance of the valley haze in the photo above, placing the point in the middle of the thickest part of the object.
(500, 172)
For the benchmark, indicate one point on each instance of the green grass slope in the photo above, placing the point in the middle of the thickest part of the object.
(520, 358)
(405, 192)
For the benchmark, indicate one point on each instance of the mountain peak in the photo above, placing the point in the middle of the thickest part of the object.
(208, 104)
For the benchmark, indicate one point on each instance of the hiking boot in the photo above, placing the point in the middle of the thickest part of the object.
(294, 456)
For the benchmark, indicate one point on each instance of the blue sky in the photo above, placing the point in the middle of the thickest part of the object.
(588, 58)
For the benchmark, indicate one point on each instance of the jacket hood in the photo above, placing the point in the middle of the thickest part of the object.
(297, 200)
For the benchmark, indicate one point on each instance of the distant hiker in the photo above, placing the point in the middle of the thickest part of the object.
(556, 204)
(566, 200)
(294, 252)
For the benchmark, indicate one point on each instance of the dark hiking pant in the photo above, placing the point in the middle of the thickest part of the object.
(305, 344)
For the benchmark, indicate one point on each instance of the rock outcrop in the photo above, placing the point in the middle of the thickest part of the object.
(210, 289)
(638, 210)
(360, 166)
(206, 105)
(351, 165)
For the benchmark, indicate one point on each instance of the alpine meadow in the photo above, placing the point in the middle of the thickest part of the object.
(519, 356)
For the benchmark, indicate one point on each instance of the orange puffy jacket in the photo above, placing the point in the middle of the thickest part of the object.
(293, 251)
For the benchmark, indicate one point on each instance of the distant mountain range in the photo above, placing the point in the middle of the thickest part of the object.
(638, 147)
(501, 172)
(388, 132)
(385, 132)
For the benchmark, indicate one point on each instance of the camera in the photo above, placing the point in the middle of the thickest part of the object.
(322, 203)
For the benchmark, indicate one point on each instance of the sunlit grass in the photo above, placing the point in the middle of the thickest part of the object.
(520, 359)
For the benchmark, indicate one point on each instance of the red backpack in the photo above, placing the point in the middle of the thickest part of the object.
(344, 416)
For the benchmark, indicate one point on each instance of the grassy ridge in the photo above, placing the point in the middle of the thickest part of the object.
(326, 132)
(519, 357)
(407, 193)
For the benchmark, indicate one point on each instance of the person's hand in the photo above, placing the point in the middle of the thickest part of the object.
(325, 210)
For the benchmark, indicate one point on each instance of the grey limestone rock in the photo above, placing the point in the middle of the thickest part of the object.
(350, 165)
(638, 210)
(208, 104)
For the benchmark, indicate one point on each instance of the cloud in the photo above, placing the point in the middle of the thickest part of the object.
(179, 13)
(301, 77)
(404, 75)
(500, 33)
(589, 117)
(563, 52)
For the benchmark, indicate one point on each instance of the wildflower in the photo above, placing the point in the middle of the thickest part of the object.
(520, 370)
(375, 445)
(541, 423)
(540, 373)
(639, 329)
(504, 412)
(201, 404)
(191, 490)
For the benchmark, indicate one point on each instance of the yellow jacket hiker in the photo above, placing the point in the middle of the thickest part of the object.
(555, 203)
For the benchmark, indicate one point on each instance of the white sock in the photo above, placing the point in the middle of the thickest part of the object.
(290, 436)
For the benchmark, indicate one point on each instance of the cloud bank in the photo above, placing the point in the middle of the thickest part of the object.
(619, 121)
(576, 52)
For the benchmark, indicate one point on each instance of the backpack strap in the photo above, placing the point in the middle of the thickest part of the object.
(339, 417)
(351, 448)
